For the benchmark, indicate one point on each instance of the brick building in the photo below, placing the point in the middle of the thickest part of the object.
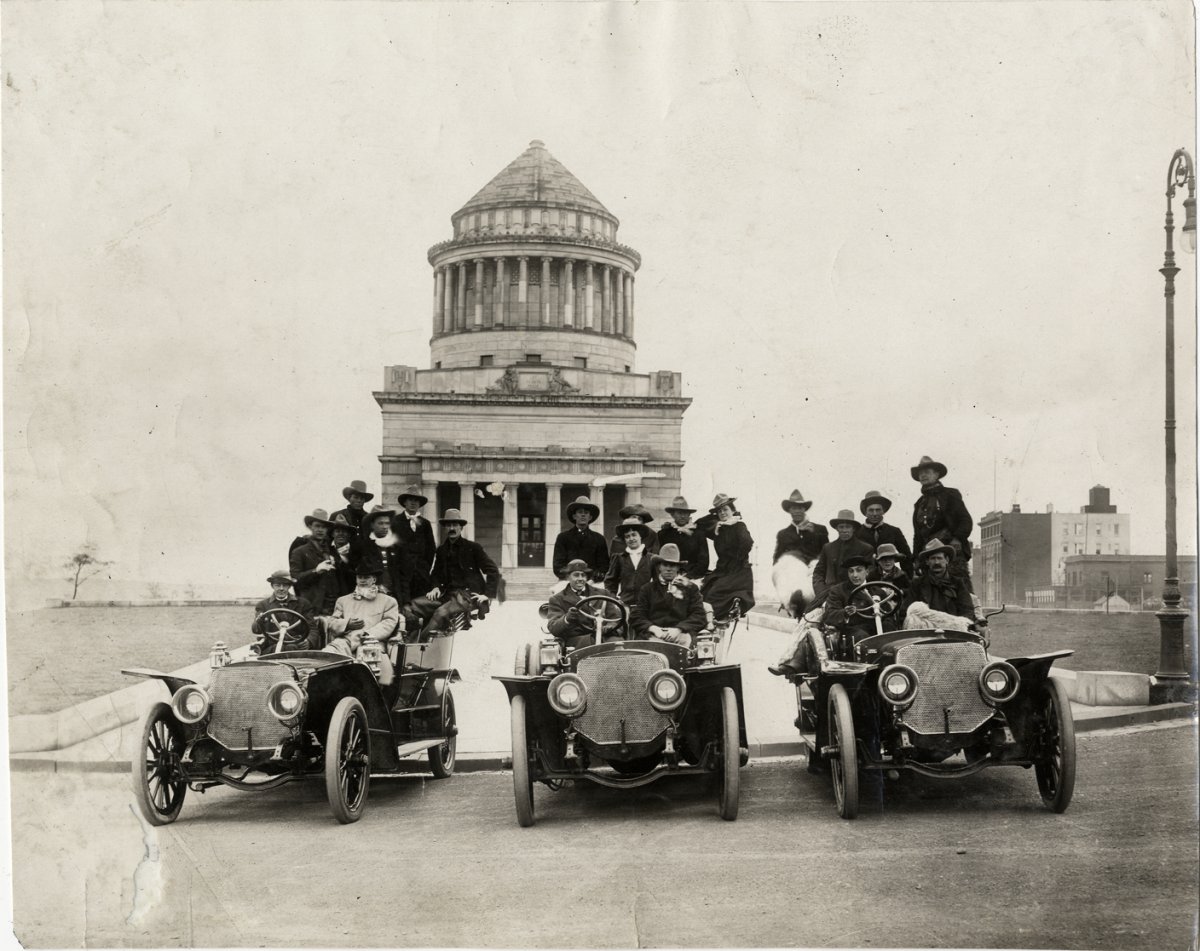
(533, 398)
(1136, 578)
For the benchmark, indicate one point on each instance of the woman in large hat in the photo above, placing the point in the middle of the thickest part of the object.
(733, 579)
(630, 569)
(682, 532)
(580, 541)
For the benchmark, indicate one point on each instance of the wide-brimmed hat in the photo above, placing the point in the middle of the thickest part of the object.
(576, 564)
(845, 515)
(376, 512)
(583, 502)
(887, 550)
(318, 515)
(935, 545)
(412, 492)
(721, 499)
(452, 515)
(927, 463)
(668, 554)
(635, 523)
(678, 504)
(795, 499)
(340, 521)
(862, 561)
(366, 571)
(636, 510)
(281, 577)
(873, 496)
(357, 486)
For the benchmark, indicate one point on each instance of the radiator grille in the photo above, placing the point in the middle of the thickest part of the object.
(239, 703)
(948, 674)
(616, 691)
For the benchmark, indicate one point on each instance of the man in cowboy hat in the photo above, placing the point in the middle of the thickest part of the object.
(357, 496)
(580, 543)
(386, 557)
(831, 565)
(312, 564)
(642, 514)
(267, 629)
(629, 569)
(668, 608)
(344, 547)
(682, 532)
(366, 612)
(940, 514)
(875, 531)
(462, 572)
(803, 537)
(937, 599)
(570, 625)
(416, 534)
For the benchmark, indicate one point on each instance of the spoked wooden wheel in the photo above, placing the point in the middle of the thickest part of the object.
(158, 785)
(522, 775)
(347, 761)
(731, 756)
(1055, 769)
(441, 758)
(843, 761)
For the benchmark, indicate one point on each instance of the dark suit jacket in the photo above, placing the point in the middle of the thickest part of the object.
(581, 631)
(693, 548)
(465, 565)
(623, 579)
(657, 605)
(588, 545)
(421, 545)
(829, 570)
(393, 567)
(887, 534)
(806, 544)
(941, 513)
(318, 588)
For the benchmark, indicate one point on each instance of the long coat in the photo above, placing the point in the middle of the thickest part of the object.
(941, 513)
(581, 631)
(586, 544)
(807, 543)
(693, 548)
(318, 588)
(829, 570)
(392, 564)
(948, 594)
(624, 579)
(420, 543)
(464, 564)
(883, 534)
(733, 577)
(657, 604)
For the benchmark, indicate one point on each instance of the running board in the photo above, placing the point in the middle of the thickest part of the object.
(418, 746)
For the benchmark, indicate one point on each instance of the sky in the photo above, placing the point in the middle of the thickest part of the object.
(869, 232)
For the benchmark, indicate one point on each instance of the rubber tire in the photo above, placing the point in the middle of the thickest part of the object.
(441, 758)
(1056, 790)
(346, 809)
(158, 714)
(844, 766)
(522, 777)
(731, 756)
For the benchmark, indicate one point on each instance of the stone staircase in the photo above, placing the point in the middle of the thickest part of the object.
(528, 584)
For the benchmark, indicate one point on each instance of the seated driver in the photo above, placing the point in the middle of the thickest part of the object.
(267, 629)
(365, 612)
(854, 616)
(571, 625)
(938, 598)
(668, 608)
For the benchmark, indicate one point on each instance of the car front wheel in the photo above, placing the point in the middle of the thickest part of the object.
(441, 758)
(158, 784)
(522, 775)
(843, 761)
(347, 761)
(731, 755)
(1055, 767)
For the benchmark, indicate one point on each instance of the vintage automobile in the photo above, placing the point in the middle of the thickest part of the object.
(624, 713)
(292, 714)
(931, 702)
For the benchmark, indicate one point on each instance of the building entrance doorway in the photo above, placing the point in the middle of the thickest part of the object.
(531, 526)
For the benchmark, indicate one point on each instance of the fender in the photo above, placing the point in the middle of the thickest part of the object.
(172, 683)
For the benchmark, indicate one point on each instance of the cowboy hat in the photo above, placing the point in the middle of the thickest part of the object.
(668, 555)
(795, 500)
(636, 524)
(359, 487)
(887, 550)
(934, 547)
(927, 463)
(412, 492)
(845, 515)
(452, 515)
(678, 504)
(873, 496)
(722, 499)
(576, 564)
(583, 502)
(319, 516)
(636, 510)
(281, 577)
(340, 521)
(376, 512)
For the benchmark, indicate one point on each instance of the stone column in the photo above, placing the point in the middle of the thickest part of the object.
(546, 316)
(508, 537)
(429, 510)
(522, 294)
(466, 505)
(447, 300)
(589, 298)
(606, 323)
(596, 494)
(633, 493)
(629, 307)
(478, 293)
(460, 315)
(553, 518)
(500, 298)
(569, 294)
(618, 300)
(438, 291)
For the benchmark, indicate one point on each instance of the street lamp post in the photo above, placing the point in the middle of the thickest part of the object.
(1172, 682)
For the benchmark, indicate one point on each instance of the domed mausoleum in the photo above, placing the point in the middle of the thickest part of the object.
(533, 397)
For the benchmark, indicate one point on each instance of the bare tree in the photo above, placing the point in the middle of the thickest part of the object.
(83, 565)
(154, 590)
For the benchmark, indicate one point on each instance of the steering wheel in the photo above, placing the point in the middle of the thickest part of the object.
(603, 623)
(292, 632)
(883, 605)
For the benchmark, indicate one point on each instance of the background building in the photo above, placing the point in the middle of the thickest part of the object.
(533, 398)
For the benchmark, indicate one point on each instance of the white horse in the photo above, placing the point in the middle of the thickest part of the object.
(792, 578)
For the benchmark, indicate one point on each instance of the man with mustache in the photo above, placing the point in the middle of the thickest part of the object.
(570, 625)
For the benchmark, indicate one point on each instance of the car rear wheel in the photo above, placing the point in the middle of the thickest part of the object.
(158, 785)
(522, 775)
(731, 755)
(1055, 770)
(843, 761)
(441, 758)
(347, 761)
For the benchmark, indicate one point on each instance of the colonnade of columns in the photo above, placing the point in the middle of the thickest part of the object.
(598, 297)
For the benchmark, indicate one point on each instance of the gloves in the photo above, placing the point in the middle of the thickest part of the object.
(355, 625)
